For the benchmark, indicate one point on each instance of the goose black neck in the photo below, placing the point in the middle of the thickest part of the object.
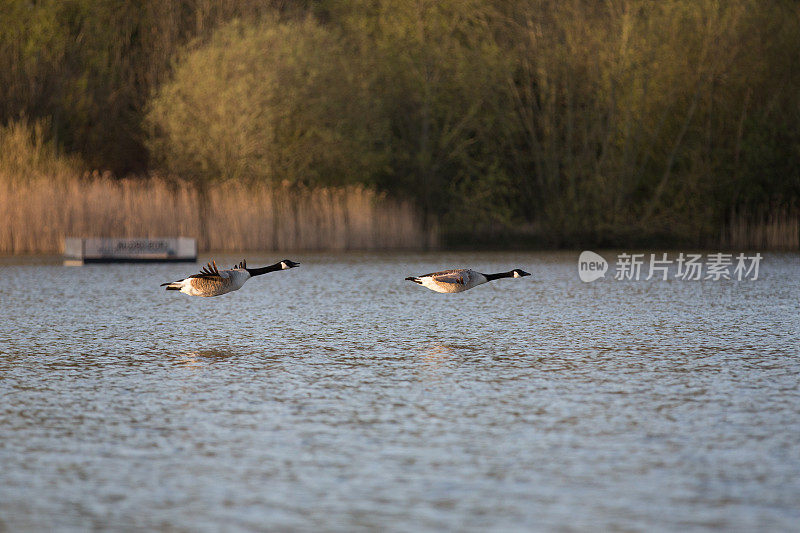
(490, 277)
(264, 270)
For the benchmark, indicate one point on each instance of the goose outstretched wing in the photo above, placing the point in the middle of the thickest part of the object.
(209, 271)
(457, 277)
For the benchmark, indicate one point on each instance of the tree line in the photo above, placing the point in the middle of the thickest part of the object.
(558, 123)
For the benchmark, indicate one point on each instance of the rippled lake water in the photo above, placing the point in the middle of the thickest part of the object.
(337, 396)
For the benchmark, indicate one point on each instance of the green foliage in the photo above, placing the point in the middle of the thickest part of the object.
(439, 69)
(27, 154)
(629, 115)
(89, 66)
(274, 101)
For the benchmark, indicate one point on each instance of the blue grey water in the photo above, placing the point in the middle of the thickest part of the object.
(337, 396)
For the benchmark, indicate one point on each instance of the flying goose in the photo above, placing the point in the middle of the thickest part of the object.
(461, 279)
(214, 282)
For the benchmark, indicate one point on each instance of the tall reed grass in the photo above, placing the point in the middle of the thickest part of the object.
(39, 213)
(778, 229)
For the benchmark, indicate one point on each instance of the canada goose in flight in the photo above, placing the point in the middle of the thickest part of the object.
(461, 279)
(213, 282)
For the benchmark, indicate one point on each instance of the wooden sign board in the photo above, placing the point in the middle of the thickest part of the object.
(78, 251)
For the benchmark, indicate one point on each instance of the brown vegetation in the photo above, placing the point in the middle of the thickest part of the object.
(45, 197)
(775, 230)
(38, 215)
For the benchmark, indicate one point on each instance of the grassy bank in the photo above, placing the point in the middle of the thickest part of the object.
(40, 213)
(45, 196)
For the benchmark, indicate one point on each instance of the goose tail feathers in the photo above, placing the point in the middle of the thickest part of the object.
(415, 280)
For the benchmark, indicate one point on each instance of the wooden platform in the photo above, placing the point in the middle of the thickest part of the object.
(79, 251)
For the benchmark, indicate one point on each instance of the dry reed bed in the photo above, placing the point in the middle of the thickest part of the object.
(777, 230)
(39, 214)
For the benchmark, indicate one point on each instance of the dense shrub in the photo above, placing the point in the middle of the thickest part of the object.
(273, 101)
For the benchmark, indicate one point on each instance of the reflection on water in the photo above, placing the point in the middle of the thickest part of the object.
(289, 405)
(204, 357)
(437, 353)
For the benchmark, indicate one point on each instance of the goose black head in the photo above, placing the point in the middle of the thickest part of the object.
(288, 263)
(519, 273)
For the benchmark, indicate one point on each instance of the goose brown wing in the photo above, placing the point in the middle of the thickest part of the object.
(443, 273)
(459, 277)
(209, 271)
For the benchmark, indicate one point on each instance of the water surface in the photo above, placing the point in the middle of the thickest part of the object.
(337, 396)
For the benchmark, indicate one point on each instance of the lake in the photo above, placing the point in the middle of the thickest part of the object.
(337, 396)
